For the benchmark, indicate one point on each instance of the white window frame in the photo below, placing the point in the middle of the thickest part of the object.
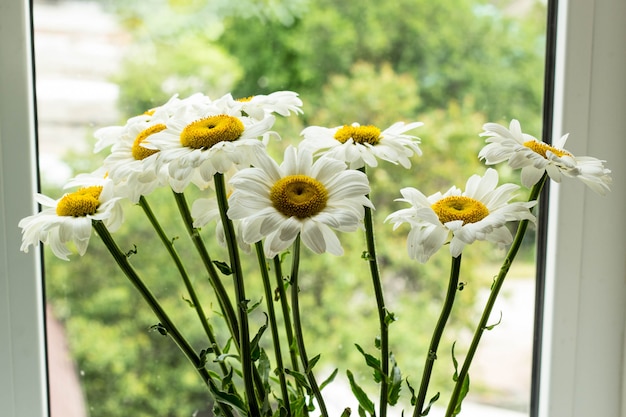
(583, 353)
(23, 382)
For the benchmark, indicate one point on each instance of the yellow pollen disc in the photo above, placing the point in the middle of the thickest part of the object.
(204, 133)
(299, 196)
(541, 148)
(360, 134)
(460, 208)
(245, 99)
(139, 152)
(149, 112)
(80, 203)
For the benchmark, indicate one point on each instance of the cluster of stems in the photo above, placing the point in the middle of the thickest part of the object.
(255, 399)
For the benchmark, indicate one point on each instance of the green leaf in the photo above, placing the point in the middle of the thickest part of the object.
(254, 345)
(312, 363)
(462, 395)
(264, 369)
(159, 328)
(412, 391)
(430, 404)
(490, 327)
(330, 379)
(395, 385)
(224, 356)
(455, 363)
(389, 318)
(373, 363)
(254, 306)
(300, 379)
(223, 267)
(364, 402)
(188, 301)
(228, 399)
(346, 412)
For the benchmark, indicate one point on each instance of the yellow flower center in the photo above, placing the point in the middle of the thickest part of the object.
(150, 112)
(541, 148)
(360, 134)
(138, 151)
(460, 208)
(80, 203)
(299, 196)
(245, 99)
(204, 133)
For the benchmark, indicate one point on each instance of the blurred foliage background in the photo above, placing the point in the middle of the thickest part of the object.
(452, 64)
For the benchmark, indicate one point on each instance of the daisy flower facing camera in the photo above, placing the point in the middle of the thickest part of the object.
(299, 197)
(478, 213)
(361, 145)
(535, 157)
(69, 219)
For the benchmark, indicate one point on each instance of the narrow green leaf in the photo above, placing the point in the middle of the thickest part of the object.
(254, 306)
(229, 399)
(412, 391)
(346, 412)
(300, 379)
(224, 356)
(455, 363)
(395, 385)
(430, 404)
(223, 267)
(490, 327)
(254, 344)
(373, 363)
(312, 363)
(364, 402)
(188, 301)
(462, 395)
(330, 379)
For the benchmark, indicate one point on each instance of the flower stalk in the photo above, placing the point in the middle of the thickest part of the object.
(247, 364)
(454, 405)
(382, 310)
(197, 305)
(164, 320)
(295, 305)
(267, 286)
(453, 284)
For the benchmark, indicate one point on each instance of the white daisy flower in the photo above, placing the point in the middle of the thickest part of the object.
(299, 197)
(260, 106)
(69, 219)
(479, 213)
(199, 142)
(535, 157)
(362, 145)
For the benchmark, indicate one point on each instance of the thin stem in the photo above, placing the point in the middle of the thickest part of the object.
(454, 405)
(280, 369)
(293, 351)
(164, 320)
(382, 310)
(298, 328)
(214, 279)
(247, 363)
(286, 312)
(169, 245)
(453, 284)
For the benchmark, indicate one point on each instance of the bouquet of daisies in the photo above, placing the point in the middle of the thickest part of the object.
(269, 208)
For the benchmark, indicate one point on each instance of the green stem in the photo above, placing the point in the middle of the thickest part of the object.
(382, 310)
(453, 405)
(267, 286)
(286, 313)
(122, 261)
(298, 328)
(247, 363)
(214, 279)
(169, 245)
(453, 284)
(293, 351)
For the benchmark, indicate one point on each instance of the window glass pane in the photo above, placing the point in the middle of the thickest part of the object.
(452, 64)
